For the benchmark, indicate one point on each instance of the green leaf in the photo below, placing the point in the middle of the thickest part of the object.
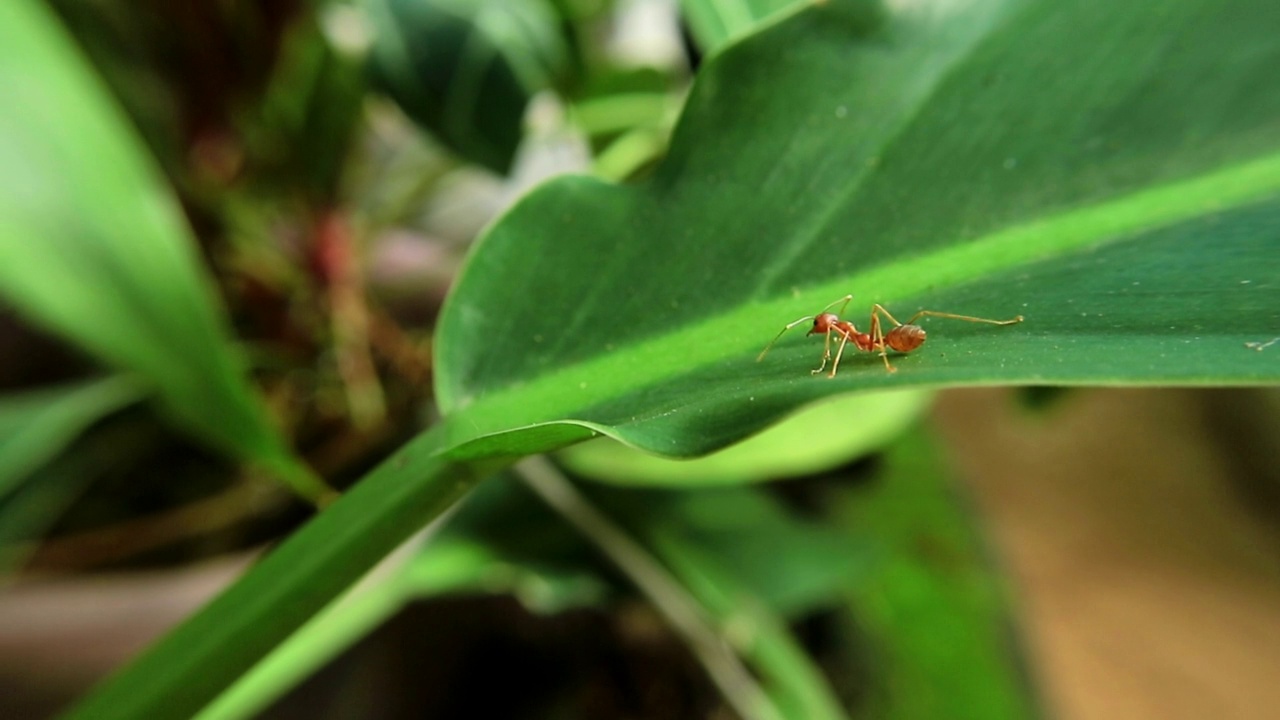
(1122, 193)
(501, 540)
(789, 674)
(714, 23)
(815, 439)
(34, 506)
(36, 425)
(206, 654)
(465, 70)
(744, 531)
(93, 246)
(933, 609)
(1128, 208)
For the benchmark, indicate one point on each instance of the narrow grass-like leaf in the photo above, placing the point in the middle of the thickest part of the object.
(36, 425)
(93, 246)
(204, 656)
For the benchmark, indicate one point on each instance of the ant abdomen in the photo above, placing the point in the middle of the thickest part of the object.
(905, 338)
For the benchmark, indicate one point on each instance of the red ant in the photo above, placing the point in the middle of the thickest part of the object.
(904, 337)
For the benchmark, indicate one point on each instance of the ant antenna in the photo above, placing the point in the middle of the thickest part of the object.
(806, 318)
(781, 333)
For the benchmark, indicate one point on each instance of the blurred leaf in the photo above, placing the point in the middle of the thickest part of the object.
(931, 600)
(185, 671)
(42, 499)
(445, 566)
(715, 22)
(790, 676)
(465, 69)
(503, 540)
(36, 425)
(747, 531)
(330, 632)
(312, 105)
(815, 439)
(93, 246)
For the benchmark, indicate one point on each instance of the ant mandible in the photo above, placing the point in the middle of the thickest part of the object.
(904, 337)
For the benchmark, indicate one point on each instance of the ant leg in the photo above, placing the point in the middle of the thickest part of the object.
(877, 336)
(878, 308)
(966, 318)
(826, 345)
(826, 353)
(844, 340)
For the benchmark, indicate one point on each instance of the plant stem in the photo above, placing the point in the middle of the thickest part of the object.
(682, 612)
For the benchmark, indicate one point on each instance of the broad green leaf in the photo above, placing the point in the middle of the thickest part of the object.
(36, 425)
(815, 439)
(1123, 193)
(465, 70)
(93, 246)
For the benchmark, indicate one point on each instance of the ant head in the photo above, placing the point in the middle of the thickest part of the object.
(823, 322)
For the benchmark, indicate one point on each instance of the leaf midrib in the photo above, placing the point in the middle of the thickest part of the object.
(560, 393)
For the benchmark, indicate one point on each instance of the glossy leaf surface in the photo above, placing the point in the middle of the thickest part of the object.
(465, 70)
(1121, 194)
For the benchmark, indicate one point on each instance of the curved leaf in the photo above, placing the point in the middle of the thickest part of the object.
(714, 23)
(93, 246)
(36, 425)
(188, 668)
(815, 439)
(466, 70)
(1122, 194)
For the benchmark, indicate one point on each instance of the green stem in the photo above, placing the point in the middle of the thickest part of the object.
(681, 611)
(790, 674)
